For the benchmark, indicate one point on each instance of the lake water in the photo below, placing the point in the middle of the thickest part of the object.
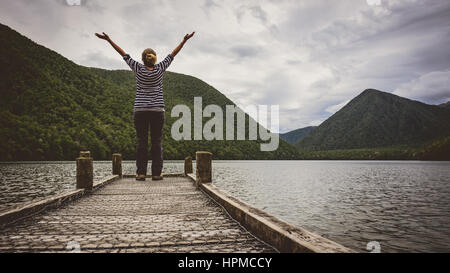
(402, 205)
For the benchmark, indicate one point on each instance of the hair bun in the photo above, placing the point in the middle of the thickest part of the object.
(151, 58)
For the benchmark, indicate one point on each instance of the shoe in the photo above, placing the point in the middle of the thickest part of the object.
(140, 177)
(157, 177)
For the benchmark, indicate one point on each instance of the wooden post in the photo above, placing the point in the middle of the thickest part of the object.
(85, 172)
(203, 172)
(188, 165)
(117, 164)
(85, 154)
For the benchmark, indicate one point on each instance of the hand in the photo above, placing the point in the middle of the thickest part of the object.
(188, 36)
(104, 36)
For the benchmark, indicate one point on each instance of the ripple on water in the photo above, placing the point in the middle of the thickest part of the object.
(405, 206)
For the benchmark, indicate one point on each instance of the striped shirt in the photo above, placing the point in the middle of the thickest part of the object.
(149, 89)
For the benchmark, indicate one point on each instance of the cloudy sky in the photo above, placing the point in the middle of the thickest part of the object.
(310, 57)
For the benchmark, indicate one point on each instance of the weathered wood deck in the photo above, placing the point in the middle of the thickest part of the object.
(134, 216)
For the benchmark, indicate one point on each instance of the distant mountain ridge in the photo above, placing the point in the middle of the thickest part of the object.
(445, 105)
(378, 119)
(293, 136)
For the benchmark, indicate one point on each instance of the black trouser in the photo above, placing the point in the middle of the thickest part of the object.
(142, 121)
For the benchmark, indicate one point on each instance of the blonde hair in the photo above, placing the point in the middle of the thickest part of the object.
(149, 57)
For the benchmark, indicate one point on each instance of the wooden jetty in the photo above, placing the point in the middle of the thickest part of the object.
(182, 213)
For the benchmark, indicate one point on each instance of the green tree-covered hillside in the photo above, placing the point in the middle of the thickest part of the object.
(293, 136)
(377, 119)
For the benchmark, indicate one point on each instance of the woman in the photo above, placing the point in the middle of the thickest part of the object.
(149, 105)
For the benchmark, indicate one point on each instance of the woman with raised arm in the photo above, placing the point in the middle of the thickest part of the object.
(149, 105)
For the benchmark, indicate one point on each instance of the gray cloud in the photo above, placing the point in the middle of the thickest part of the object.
(243, 51)
(99, 59)
(255, 11)
(432, 88)
(310, 57)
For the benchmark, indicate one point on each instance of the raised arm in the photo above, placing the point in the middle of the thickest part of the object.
(180, 46)
(106, 38)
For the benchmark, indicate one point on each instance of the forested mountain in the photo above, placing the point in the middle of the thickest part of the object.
(51, 108)
(377, 119)
(293, 136)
